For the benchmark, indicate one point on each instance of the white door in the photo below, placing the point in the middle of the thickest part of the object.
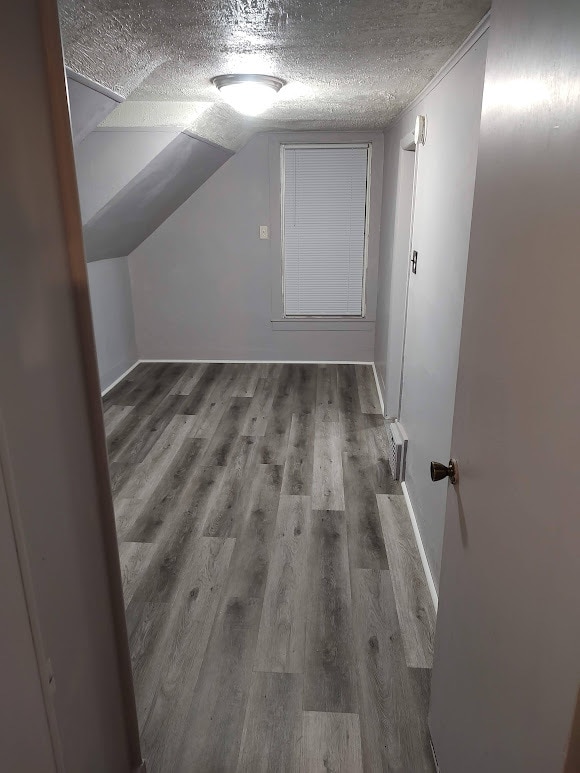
(441, 222)
(507, 653)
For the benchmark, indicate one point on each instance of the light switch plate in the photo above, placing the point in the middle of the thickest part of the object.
(263, 232)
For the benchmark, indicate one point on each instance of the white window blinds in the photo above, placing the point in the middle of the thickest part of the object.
(324, 216)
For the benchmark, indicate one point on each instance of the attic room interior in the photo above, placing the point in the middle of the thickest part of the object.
(289, 407)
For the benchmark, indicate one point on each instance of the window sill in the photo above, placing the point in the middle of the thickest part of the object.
(331, 323)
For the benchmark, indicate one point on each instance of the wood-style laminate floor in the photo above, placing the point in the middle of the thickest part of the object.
(276, 607)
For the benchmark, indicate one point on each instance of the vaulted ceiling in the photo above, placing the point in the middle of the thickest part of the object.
(348, 63)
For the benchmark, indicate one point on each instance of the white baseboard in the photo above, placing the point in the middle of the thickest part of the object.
(379, 390)
(271, 362)
(121, 377)
(419, 541)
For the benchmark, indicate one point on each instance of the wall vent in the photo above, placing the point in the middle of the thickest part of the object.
(397, 449)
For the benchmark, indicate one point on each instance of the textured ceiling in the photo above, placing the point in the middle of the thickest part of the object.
(349, 63)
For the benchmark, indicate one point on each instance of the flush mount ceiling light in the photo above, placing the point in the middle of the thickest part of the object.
(248, 94)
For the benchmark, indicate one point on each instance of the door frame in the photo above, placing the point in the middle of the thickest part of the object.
(63, 148)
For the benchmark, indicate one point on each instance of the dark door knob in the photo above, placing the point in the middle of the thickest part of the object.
(440, 471)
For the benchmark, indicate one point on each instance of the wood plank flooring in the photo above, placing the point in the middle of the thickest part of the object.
(277, 612)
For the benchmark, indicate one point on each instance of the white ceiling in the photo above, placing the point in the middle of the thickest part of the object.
(349, 63)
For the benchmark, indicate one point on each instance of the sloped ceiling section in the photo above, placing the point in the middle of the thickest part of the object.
(89, 105)
(151, 196)
(130, 179)
(107, 161)
(349, 64)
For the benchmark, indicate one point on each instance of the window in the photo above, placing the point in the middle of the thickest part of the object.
(324, 216)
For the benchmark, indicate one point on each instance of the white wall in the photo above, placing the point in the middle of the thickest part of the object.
(444, 195)
(112, 307)
(106, 161)
(202, 281)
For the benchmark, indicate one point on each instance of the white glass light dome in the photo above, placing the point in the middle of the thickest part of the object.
(248, 94)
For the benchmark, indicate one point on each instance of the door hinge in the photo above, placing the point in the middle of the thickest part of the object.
(414, 261)
(50, 678)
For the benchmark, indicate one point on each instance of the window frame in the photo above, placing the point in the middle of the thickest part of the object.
(277, 143)
(331, 145)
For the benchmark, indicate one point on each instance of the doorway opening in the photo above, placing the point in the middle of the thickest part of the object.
(402, 251)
